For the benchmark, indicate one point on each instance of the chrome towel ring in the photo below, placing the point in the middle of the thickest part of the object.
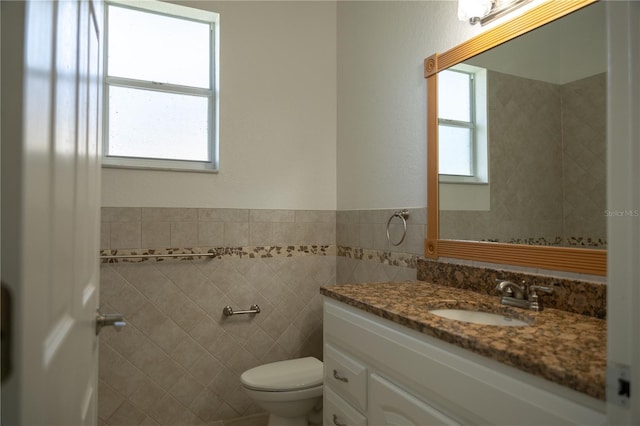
(403, 215)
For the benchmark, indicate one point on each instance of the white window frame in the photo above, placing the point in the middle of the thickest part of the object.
(212, 93)
(478, 124)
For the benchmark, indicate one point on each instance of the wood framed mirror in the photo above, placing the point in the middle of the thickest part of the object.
(561, 257)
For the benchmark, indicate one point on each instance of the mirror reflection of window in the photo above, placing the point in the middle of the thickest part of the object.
(462, 125)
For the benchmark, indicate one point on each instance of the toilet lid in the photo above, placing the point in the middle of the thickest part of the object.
(293, 374)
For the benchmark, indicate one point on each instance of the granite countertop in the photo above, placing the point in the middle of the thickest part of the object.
(563, 347)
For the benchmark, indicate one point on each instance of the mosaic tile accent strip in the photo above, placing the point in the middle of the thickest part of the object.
(587, 242)
(259, 252)
(384, 257)
(557, 241)
(539, 241)
(581, 297)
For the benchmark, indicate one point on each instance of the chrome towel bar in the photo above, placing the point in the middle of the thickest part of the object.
(228, 311)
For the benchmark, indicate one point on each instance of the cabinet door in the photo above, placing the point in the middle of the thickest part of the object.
(393, 406)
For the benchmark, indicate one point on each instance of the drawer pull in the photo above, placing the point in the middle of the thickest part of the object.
(335, 420)
(339, 377)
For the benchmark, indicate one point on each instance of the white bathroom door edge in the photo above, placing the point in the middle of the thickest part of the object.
(54, 188)
(623, 210)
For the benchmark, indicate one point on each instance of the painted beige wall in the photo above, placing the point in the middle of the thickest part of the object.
(560, 54)
(277, 113)
(322, 107)
(381, 154)
(381, 97)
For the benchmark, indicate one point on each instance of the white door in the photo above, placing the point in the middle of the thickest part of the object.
(623, 192)
(51, 237)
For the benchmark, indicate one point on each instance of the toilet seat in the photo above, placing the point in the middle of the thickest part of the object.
(283, 376)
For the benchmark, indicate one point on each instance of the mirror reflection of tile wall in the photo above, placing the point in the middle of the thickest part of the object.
(584, 121)
(547, 146)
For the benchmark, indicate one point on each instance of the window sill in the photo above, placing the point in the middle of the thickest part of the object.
(163, 165)
(467, 180)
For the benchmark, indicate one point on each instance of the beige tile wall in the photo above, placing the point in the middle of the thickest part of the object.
(179, 359)
(585, 156)
(128, 228)
(371, 271)
(367, 229)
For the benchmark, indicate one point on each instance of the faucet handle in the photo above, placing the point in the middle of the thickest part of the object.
(534, 302)
(545, 289)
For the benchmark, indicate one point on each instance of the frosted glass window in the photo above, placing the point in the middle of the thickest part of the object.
(455, 151)
(164, 49)
(161, 87)
(142, 124)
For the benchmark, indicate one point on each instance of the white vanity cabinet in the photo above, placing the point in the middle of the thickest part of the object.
(377, 372)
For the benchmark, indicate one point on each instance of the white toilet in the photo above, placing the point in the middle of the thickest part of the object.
(288, 390)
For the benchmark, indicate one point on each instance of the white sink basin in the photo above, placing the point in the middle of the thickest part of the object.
(477, 317)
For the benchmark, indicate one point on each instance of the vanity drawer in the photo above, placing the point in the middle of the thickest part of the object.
(346, 375)
(338, 412)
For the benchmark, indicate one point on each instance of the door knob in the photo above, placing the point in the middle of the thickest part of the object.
(103, 320)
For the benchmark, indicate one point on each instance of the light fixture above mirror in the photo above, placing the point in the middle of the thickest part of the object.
(485, 11)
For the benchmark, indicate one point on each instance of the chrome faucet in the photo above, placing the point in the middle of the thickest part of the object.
(521, 296)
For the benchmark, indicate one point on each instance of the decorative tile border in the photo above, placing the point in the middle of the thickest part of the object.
(536, 241)
(557, 241)
(384, 257)
(581, 297)
(215, 253)
(587, 242)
